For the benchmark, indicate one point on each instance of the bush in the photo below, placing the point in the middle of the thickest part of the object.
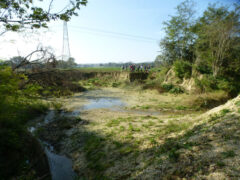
(183, 69)
(17, 106)
(232, 87)
(156, 78)
(203, 68)
(172, 88)
(116, 84)
(167, 87)
(207, 84)
(176, 90)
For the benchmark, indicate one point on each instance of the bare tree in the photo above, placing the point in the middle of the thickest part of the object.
(37, 59)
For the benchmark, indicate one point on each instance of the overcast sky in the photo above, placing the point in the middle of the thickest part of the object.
(104, 31)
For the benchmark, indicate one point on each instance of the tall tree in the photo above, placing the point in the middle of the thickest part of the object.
(179, 39)
(217, 32)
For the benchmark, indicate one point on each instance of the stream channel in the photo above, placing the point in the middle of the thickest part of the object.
(60, 165)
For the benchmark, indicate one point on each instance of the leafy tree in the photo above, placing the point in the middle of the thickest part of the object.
(218, 31)
(179, 40)
(70, 63)
(18, 104)
(182, 69)
(16, 14)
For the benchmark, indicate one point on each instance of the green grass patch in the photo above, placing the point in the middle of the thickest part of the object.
(100, 69)
(175, 126)
(126, 150)
(237, 103)
(220, 164)
(181, 107)
(114, 122)
(229, 154)
(223, 112)
(145, 107)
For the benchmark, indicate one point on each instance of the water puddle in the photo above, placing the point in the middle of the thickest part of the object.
(103, 102)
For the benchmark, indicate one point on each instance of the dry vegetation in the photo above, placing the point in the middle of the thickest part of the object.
(174, 144)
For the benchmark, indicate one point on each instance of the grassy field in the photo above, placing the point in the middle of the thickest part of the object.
(99, 69)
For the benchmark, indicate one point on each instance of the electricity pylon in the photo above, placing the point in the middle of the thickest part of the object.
(65, 48)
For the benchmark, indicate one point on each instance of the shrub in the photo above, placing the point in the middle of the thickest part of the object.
(17, 106)
(172, 88)
(176, 90)
(207, 84)
(182, 69)
(203, 68)
(167, 87)
(231, 86)
(116, 84)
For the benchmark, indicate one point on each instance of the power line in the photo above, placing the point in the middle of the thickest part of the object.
(111, 32)
(114, 34)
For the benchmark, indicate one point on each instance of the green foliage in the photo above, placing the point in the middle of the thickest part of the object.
(167, 87)
(229, 154)
(223, 112)
(217, 31)
(207, 83)
(116, 84)
(172, 88)
(174, 126)
(176, 90)
(114, 122)
(173, 155)
(102, 69)
(156, 78)
(17, 14)
(211, 43)
(17, 106)
(183, 69)
(237, 103)
(203, 67)
(69, 64)
(179, 39)
(220, 164)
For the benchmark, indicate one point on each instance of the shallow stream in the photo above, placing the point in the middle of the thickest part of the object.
(61, 165)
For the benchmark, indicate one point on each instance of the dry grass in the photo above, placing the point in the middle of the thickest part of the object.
(171, 145)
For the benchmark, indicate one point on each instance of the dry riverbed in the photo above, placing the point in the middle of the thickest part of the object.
(133, 134)
(119, 136)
